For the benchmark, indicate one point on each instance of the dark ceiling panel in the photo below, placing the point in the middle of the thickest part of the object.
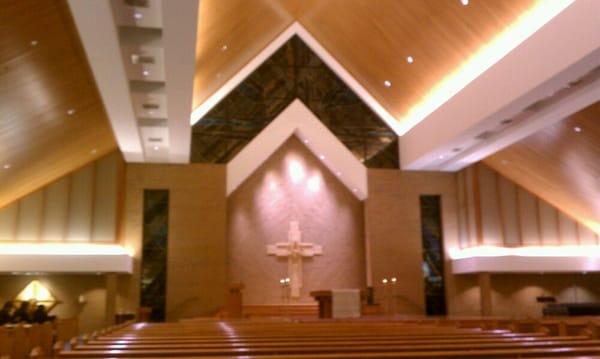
(293, 71)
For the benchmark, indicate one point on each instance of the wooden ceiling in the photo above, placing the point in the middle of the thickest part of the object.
(44, 74)
(560, 165)
(371, 39)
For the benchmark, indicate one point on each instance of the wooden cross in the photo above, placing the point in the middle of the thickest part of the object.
(295, 250)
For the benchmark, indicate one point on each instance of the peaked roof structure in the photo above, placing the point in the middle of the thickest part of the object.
(297, 120)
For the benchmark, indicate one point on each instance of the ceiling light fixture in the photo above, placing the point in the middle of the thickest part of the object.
(387, 83)
(33, 43)
(577, 129)
(71, 111)
(322, 157)
(305, 141)
(94, 151)
(354, 190)
(410, 59)
(224, 48)
(137, 15)
(464, 2)
(155, 148)
(338, 173)
(441, 157)
(146, 72)
(6, 166)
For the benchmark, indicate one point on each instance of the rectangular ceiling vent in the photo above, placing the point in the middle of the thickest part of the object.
(137, 59)
(484, 135)
(136, 3)
(154, 139)
(150, 106)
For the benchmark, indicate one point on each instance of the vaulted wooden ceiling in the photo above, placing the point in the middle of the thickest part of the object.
(371, 39)
(560, 164)
(52, 120)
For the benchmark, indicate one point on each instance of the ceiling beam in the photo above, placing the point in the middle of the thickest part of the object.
(565, 49)
(98, 31)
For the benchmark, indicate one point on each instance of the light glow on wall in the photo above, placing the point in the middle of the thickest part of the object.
(36, 291)
(525, 26)
(296, 171)
(314, 183)
(75, 249)
(529, 251)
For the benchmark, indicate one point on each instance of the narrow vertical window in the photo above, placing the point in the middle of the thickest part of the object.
(433, 255)
(154, 253)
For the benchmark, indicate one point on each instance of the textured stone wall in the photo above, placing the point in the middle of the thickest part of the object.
(294, 185)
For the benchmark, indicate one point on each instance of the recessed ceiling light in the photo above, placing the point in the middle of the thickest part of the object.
(137, 15)
(6, 166)
(338, 173)
(71, 111)
(155, 148)
(322, 157)
(146, 72)
(354, 189)
(464, 2)
(577, 129)
(224, 48)
(33, 43)
(410, 59)
(94, 151)
(387, 83)
(441, 157)
(305, 141)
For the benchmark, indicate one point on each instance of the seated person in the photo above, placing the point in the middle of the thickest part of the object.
(22, 314)
(6, 313)
(40, 315)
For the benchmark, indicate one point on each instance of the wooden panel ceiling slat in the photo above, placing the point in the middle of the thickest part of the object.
(43, 74)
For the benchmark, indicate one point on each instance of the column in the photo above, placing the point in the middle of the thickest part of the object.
(111, 299)
(485, 293)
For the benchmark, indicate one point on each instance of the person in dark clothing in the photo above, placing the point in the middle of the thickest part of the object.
(22, 314)
(6, 313)
(40, 315)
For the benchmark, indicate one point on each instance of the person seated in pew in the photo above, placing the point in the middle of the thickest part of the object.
(22, 314)
(40, 315)
(6, 313)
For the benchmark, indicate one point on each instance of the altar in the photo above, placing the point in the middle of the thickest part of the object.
(339, 303)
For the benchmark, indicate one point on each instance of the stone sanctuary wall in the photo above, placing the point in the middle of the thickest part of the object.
(294, 185)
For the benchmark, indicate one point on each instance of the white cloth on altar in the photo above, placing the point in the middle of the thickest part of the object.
(345, 303)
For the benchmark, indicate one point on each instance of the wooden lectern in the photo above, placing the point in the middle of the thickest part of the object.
(324, 298)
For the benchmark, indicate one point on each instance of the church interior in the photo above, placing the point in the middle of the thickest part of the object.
(299, 178)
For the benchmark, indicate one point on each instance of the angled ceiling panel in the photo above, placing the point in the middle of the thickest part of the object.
(51, 118)
(560, 164)
(373, 40)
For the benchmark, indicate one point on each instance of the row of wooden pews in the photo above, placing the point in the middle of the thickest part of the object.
(364, 338)
(23, 340)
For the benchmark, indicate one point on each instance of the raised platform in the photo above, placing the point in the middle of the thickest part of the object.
(281, 310)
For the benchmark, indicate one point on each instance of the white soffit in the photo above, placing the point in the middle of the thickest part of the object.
(298, 120)
(296, 29)
(64, 258)
(180, 27)
(98, 32)
(566, 48)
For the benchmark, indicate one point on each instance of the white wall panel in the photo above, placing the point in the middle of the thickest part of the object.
(56, 211)
(548, 224)
(568, 230)
(105, 200)
(490, 214)
(8, 222)
(80, 205)
(509, 211)
(30, 217)
(530, 234)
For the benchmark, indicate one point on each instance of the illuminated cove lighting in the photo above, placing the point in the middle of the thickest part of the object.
(529, 251)
(525, 26)
(75, 249)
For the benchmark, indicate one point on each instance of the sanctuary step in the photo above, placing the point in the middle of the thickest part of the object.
(287, 310)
